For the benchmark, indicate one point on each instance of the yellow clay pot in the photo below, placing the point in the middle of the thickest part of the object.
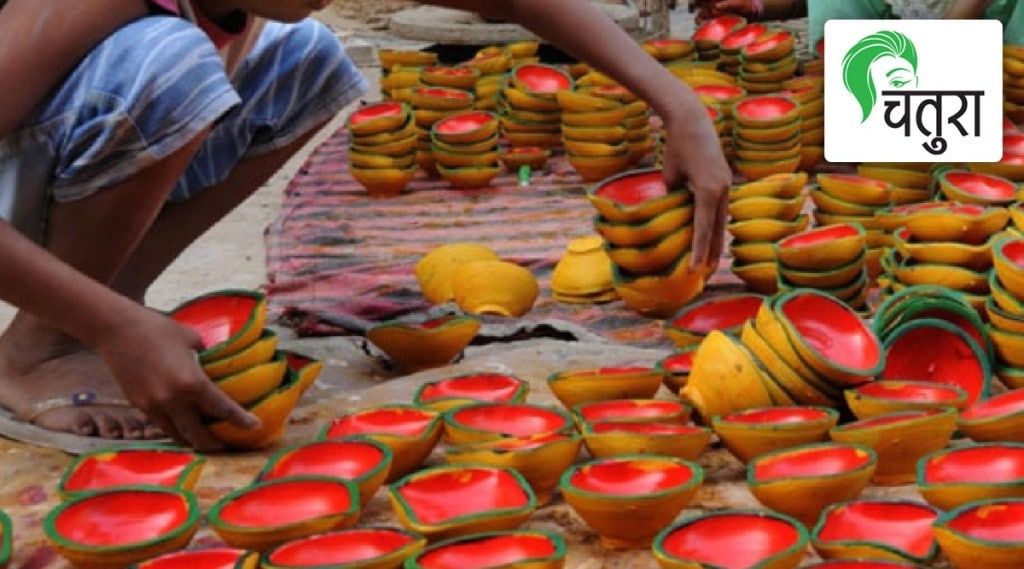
(415, 347)
(522, 100)
(1009, 346)
(661, 295)
(397, 148)
(607, 135)
(950, 276)
(767, 229)
(466, 128)
(1002, 319)
(822, 248)
(953, 477)
(768, 539)
(870, 400)
(486, 145)
(771, 328)
(514, 158)
(896, 176)
(253, 383)
(533, 139)
(725, 377)
(607, 439)
(833, 278)
(435, 270)
(380, 161)
(622, 234)
(751, 155)
(383, 182)
(482, 160)
(388, 425)
(822, 218)
(390, 58)
(584, 269)
(636, 196)
(378, 118)
(751, 433)
(272, 410)
(765, 207)
(495, 287)
(973, 257)
(577, 148)
(769, 135)
(827, 203)
(532, 119)
(470, 176)
(998, 419)
(603, 118)
(441, 99)
(783, 186)
(454, 77)
(1008, 265)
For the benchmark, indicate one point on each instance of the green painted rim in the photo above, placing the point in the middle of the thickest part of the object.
(752, 465)
(197, 461)
(214, 514)
(803, 273)
(432, 426)
(944, 520)
(915, 416)
(923, 484)
(978, 351)
(265, 335)
(211, 352)
(6, 538)
(946, 187)
(278, 358)
(933, 549)
(830, 416)
(993, 418)
(394, 491)
(283, 453)
(891, 306)
(577, 409)
(621, 276)
(993, 283)
(961, 393)
(491, 117)
(555, 539)
(959, 307)
(514, 77)
(669, 323)
(519, 396)
(244, 556)
(449, 416)
(406, 110)
(803, 536)
(418, 542)
(670, 195)
(659, 366)
(291, 379)
(696, 477)
(191, 504)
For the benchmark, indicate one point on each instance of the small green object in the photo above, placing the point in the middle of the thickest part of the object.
(524, 175)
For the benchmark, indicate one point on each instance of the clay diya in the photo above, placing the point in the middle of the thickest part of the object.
(519, 549)
(710, 34)
(501, 288)
(1008, 260)
(573, 387)
(948, 306)
(654, 488)
(995, 420)
(822, 248)
(728, 312)
(726, 377)
(974, 257)
(360, 460)
(207, 558)
(227, 321)
(465, 128)
(422, 345)
(856, 189)
(986, 534)
(448, 501)
(157, 465)
(304, 367)
(272, 410)
(676, 368)
(877, 529)
(635, 196)
(584, 273)
(778, 185)
(732, 538)
(830, 336)
(355, 548)
(482, 422)
(452, 392)
(616, 438)
(976, 188)
(753, 432)
(516, 157)
(899, 440)
(541, 459)
(820, 473)
(895, 395)
(259, 352)
(963, 223)
(633, 411)
(662, 294)
(411, 433)
(377, 118)
(764, 111)
(788, 387)
(121, 526)
(541, 80)
(950, 478)
(6, 539)
(937, 351)
(256, 382)
(636, 234)
(270, 513)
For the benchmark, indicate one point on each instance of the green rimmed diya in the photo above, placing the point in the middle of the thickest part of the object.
(416, 346)
(676, 368)
(576, 386)
(259, 352)
(142, 464)
(253, 383)
(517, 549)
(726, 312)
(887, 396)
(306, 368)
(360, 460)
(952, 477)
(354, 548)
(756, 539)
(753, 432)
(987, 534)
(895, 530)
(207, 558)
(227, 321)
(482, 422)
(997, 419)
(633, 411)
(607, 439)
(272, 410)
(451, 392)
(635, 196)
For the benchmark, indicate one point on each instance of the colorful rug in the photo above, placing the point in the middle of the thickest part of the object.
(340, 261)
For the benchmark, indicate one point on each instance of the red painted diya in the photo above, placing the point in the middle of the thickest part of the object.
(635, 196)
(448, 501)
(720, 92)
(541, 79)
(743, 36)
(754, 432)
(952, 477)
(361, 460)
(765, 108)
(212, 558)
(714, 30)
(726, 313)
(370, 547)
(733, 539)
(270, 513)
(609, 439)
(305, 367)
(121, 526)
(487, 421)
(473, 388)
(410, 432)
(375, 111)
(573, 387)
(995, 420)
(882, 529)
(634, 411)
(894, 395)
(226, 321)
(156, 465)
(964, 186)
(676, 368)
(510, 549)
(937, 351)
(987, 534)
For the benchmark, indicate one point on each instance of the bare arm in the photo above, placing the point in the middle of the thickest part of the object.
(693, 155)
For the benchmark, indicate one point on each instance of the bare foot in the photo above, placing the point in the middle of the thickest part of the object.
(41, 368)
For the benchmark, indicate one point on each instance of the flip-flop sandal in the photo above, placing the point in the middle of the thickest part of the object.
(80, 399)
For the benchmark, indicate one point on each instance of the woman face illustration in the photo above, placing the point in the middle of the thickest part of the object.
(892, 72)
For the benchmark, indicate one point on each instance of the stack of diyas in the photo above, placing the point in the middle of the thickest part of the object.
(809, 92)
(763, 212)
(721, 98)
(530, 113)
(767, 62)
(465, 147)
(648, 228)
(670, 50)
(400, 71)
(710, 34)
(1005, 309)
(766, 136)
(594, 134)
(830, 259)
(430, 105)
(1011, 165)
(1013, 82)
(731, 45)
(849, 198)
(584, 274)
(911, 182)
(492, 63)
(382, 154)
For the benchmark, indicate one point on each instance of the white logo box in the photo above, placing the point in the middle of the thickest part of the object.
(959, 71)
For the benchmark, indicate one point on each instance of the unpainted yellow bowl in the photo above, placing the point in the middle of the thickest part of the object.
(435, 270)
(605, 439)
(783, 186)
(661, 295)
(652, 258)
(577, 386)
(761, 277)
(767, 207)
(753, 432)
(958, 475)
(494, 287)
(983, 534)
(886, 397)
(767, 229)
(900, 440)
(856, 189)
(998, 419)
(726, 377)
(637, 234)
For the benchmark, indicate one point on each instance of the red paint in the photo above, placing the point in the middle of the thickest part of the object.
(634, 189)
(625, 409)
(731, 541)
(934, 354)
(542, 78)
(510, 419)
(1000, 405)
(718, 28)
(1013, 251)
(777, 415)
(819, 235)
(743, 36)
(631, 476)
(399, 421)
(447, 494)
(1009, 129)
(681, 362)
(482, 387)
(718, 91)
(767, 43)
(954, 318)
(819, 48)
(442, 92)
(296, 362)
(492, 551)
(822, 460)
(348, 546)
(718, 313)
(986, 464)
(461, 124)
(1000, 522)
(216, 319)
(833, 330)
(713, 113)
(982, 185)
(527, 150)
(910, 391)
(122, 518)
(645, 428)
(967, 209)
(376, 111)
(766, 107)
(1012, 159)
(286, 502)
(1013, 144)
(129, 467)
(883, 420)
(527, 443)
(343, 459)
(903, 526)
(215, 558)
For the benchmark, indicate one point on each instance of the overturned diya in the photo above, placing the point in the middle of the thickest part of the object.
(156, 465)
(354, 548)
(208, 558)
(518, 549)
(361, 460)
(411, 433)
(451, 392)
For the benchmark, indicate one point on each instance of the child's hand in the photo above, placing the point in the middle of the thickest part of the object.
(154, 359)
